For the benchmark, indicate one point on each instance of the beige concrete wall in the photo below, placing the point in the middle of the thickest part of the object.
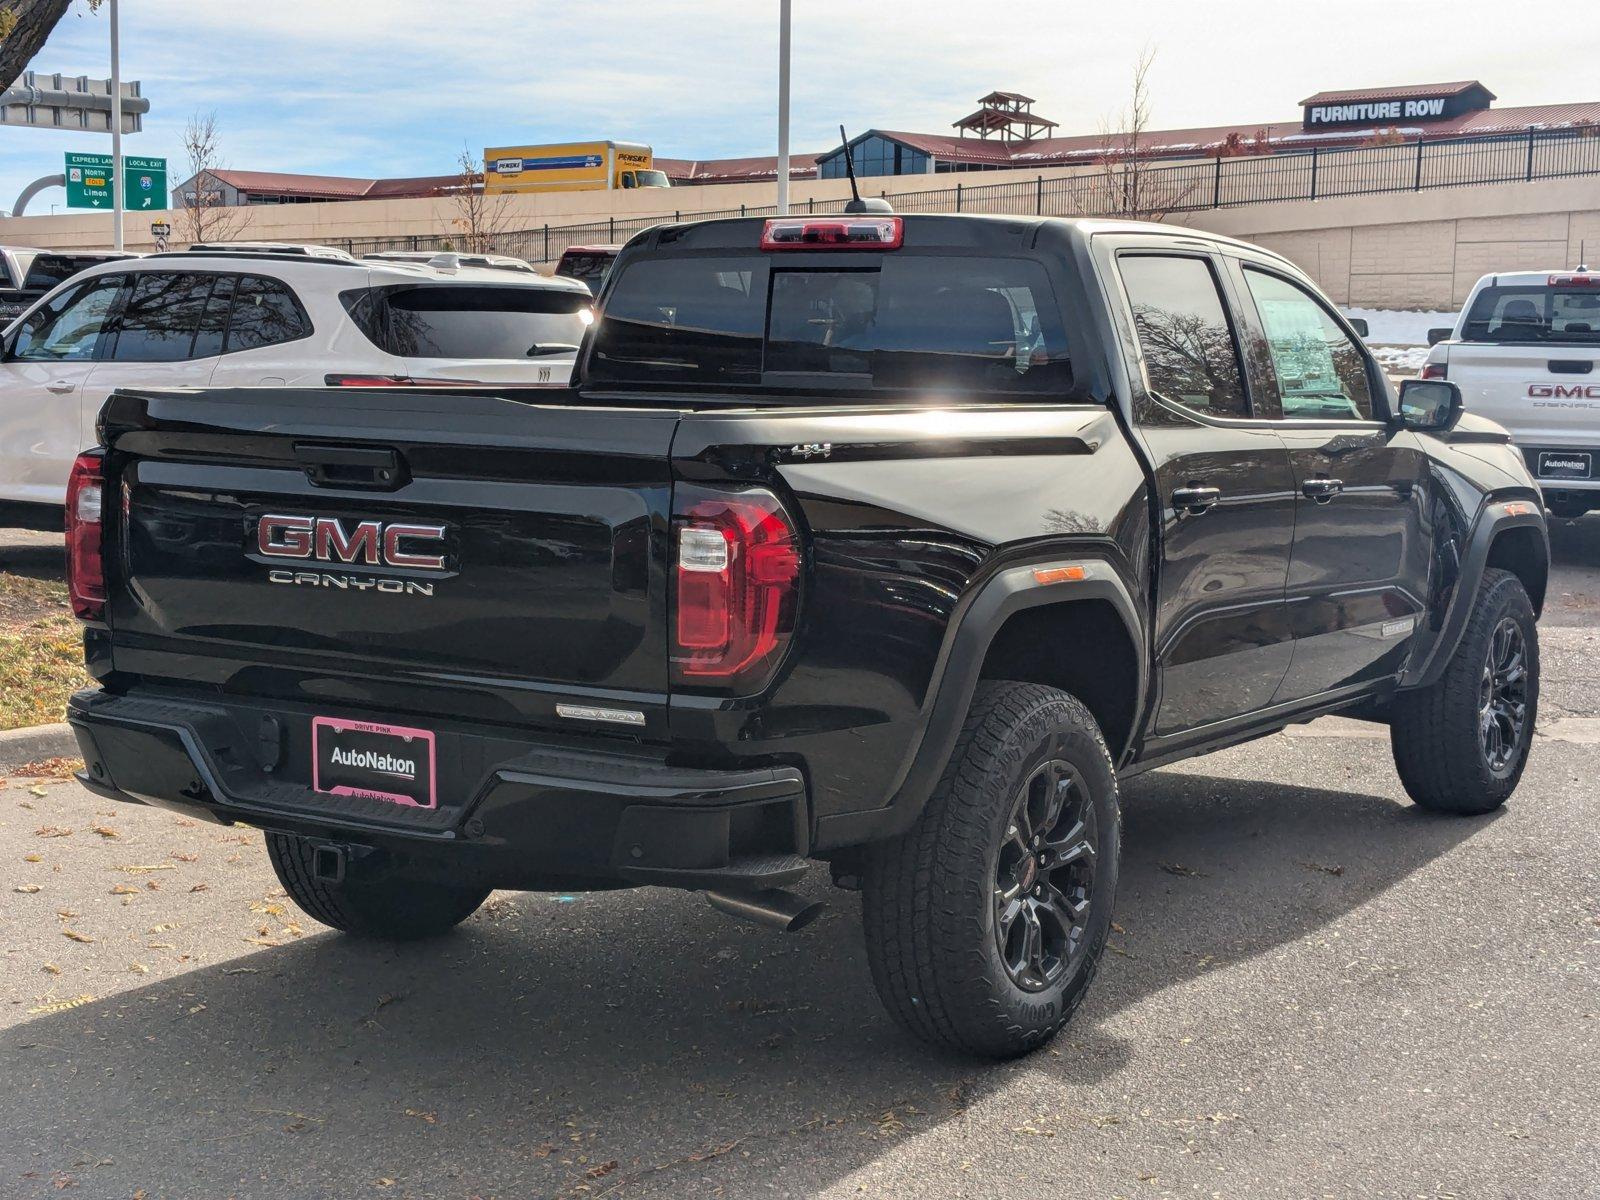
(1423, 250)
(1417, 250)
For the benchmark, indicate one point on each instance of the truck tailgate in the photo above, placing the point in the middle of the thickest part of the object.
(428, 552)
(1543, 394)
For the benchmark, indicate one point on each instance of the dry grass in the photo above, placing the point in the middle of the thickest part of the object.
(41, 651)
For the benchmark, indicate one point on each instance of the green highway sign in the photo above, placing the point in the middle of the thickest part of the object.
(89, 181)
(144, 182)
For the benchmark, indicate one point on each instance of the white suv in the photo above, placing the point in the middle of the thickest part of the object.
(1526, 354)
(237, 318)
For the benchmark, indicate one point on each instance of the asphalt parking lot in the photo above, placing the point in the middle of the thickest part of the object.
(1315, 990)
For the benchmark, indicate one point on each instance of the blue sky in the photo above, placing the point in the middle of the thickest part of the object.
(368, 87)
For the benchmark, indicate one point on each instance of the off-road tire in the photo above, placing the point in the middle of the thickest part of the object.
(388, 907)
(929, 896)
(1435, 731)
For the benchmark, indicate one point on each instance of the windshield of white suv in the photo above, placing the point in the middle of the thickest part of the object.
(1535, 313)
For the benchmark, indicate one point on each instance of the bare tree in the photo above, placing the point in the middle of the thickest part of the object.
(24, 26)
(1133, 187)
(203, 215)
(480, 219)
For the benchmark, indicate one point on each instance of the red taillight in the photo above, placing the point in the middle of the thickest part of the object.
(1574, 281)
(86, 576)
(832, 233)
(1435, 371)
(737, 580)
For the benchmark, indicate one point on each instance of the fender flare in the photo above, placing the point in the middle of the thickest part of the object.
(1494, 518)
(1008, 591)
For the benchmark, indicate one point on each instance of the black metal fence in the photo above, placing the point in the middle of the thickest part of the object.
(1141, 188)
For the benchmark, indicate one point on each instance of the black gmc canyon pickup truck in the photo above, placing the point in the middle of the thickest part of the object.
(891, 542)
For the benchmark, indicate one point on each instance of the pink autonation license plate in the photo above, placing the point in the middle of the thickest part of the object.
(379, 762)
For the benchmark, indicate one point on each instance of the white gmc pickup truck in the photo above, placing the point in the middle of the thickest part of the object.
(1526, 354)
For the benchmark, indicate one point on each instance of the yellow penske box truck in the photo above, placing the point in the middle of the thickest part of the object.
(570, 167)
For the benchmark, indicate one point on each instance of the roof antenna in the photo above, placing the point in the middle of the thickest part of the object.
(857, 204)
(1583, 257)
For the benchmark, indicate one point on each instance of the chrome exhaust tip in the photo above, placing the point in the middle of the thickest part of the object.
(773, 907)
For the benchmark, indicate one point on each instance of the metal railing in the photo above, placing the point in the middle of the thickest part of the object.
(1142, 189)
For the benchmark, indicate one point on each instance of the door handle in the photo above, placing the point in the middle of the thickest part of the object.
(1195, 499)
(1322, 489)
(60, 387)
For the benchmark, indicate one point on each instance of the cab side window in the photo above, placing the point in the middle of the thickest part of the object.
(1190, 354)
(71, 328)
(1321, 373)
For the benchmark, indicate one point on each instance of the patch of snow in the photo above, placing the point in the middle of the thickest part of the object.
(1392, 327)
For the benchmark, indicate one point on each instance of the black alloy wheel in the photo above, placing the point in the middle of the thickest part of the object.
(1503, 697)
(1044, 878)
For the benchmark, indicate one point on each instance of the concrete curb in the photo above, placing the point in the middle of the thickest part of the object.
(18, 747)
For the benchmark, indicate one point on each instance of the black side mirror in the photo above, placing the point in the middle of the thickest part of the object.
(1359, 324)
(1435, 336)
(1429, 405)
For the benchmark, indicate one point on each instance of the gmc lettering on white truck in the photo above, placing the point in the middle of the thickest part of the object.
(1526, 354)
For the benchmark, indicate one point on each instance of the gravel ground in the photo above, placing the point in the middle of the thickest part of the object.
(1315, 990)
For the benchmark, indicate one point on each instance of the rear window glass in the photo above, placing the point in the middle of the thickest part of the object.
(265, 313)
(1535, 313)
(466, 321)
(51, 269)
(980, 324)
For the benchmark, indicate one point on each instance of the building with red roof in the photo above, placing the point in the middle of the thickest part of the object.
(1004, 133)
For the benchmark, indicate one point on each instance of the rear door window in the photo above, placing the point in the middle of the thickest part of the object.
(482, 322)
(1190, 354)
(1535, 313)
(973, 323)
(159, 320)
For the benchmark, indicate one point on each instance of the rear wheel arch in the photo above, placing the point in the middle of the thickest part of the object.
(1082, 647)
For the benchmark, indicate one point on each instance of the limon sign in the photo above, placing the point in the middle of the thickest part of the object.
(144, 182)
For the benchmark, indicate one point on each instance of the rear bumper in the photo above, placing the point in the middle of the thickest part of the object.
(1536, 452)
(513, 813)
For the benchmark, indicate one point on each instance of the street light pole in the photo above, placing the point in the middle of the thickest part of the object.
(116, 133)
(783, 106)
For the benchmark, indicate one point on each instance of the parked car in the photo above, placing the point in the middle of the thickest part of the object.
(588, 264)
(446, 259)
(258, 318)
(300, 249)
(40, 271)
(1526, 353)
(891, 542)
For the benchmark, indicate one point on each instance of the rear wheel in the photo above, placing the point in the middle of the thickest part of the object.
(985, 922)
(389, 907)
(1461, 744)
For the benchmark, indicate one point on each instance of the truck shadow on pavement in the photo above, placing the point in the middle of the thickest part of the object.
(634, 1043)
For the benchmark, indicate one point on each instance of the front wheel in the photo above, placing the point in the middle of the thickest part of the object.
(985, 922)
(1460, 745)
(389, 907)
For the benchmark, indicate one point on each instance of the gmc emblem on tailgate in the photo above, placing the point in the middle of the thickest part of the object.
(399, 545)
(1564, 391)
